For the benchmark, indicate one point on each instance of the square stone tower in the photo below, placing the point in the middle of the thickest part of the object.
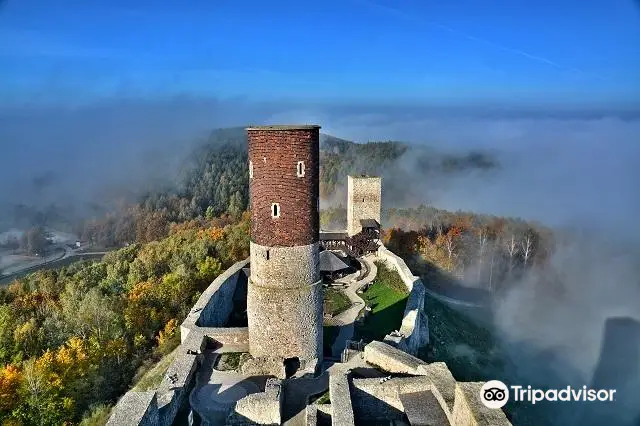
(284, 294)
(364, 198)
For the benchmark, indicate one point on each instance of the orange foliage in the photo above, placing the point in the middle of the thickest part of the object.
(463, 222)
(214, 234)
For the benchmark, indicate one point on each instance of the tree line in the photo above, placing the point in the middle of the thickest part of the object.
(482, 251)
(73, 339)
(477, 250)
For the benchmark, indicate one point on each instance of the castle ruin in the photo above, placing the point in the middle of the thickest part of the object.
(284, 375)
(363, 201)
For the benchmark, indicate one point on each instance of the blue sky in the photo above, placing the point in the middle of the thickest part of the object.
(455, 51)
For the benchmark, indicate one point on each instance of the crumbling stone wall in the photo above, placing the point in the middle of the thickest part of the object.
(432, 386)
(468, 410)
(376, 400)
(263, 408)
(392, 359)
(364, 201)
(414, 330)
(161, 406)
(138, 408)
(215, 305)
(341, 404)
(231, 337)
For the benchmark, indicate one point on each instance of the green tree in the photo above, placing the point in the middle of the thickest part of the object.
(210, 213)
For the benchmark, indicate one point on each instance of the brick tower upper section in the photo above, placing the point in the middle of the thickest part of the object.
(284, 173)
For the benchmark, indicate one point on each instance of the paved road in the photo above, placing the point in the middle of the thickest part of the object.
(63, 253)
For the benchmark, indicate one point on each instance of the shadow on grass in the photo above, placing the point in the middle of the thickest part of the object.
(381, 322)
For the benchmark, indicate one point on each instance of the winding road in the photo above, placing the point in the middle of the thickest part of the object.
(62, 253)
(346, 319)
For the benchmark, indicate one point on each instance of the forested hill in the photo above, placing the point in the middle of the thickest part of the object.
(398, 163)
(214, 181)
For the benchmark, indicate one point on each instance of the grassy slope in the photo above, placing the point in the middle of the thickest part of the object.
(152, 378)
(335, 301)
(387, 298)
(473, 354)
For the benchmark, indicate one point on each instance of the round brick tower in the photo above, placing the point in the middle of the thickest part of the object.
(284, 298)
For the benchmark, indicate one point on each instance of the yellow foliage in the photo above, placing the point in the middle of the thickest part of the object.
(68, 404)
(139, 341)
(178, 228)
(139, 291)
(25, 331)
(45, 362)
(10, 378)
(168, 332)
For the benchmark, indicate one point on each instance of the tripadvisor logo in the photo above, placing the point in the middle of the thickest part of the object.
(495, 394)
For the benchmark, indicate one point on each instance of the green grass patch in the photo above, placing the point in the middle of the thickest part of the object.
(97, 416)
(390, 278)
(231, 361)
(335, 301)
(387, 297)
(329, 334)
(324, 398)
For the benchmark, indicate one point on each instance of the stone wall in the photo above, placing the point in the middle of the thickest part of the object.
(263, 408)
(274, 152)
(285, 323)
(286, 267)
(205, 322)
(235, 337)
(426, 393)
(414, 331)
(159, 407)
(178, 381)
(468, 410)
(139, 408)
(216, 303)
(374, 399)
(341, 405)
(392, 359)
(364, 198)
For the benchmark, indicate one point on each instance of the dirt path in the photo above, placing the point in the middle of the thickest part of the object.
(348, 317)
